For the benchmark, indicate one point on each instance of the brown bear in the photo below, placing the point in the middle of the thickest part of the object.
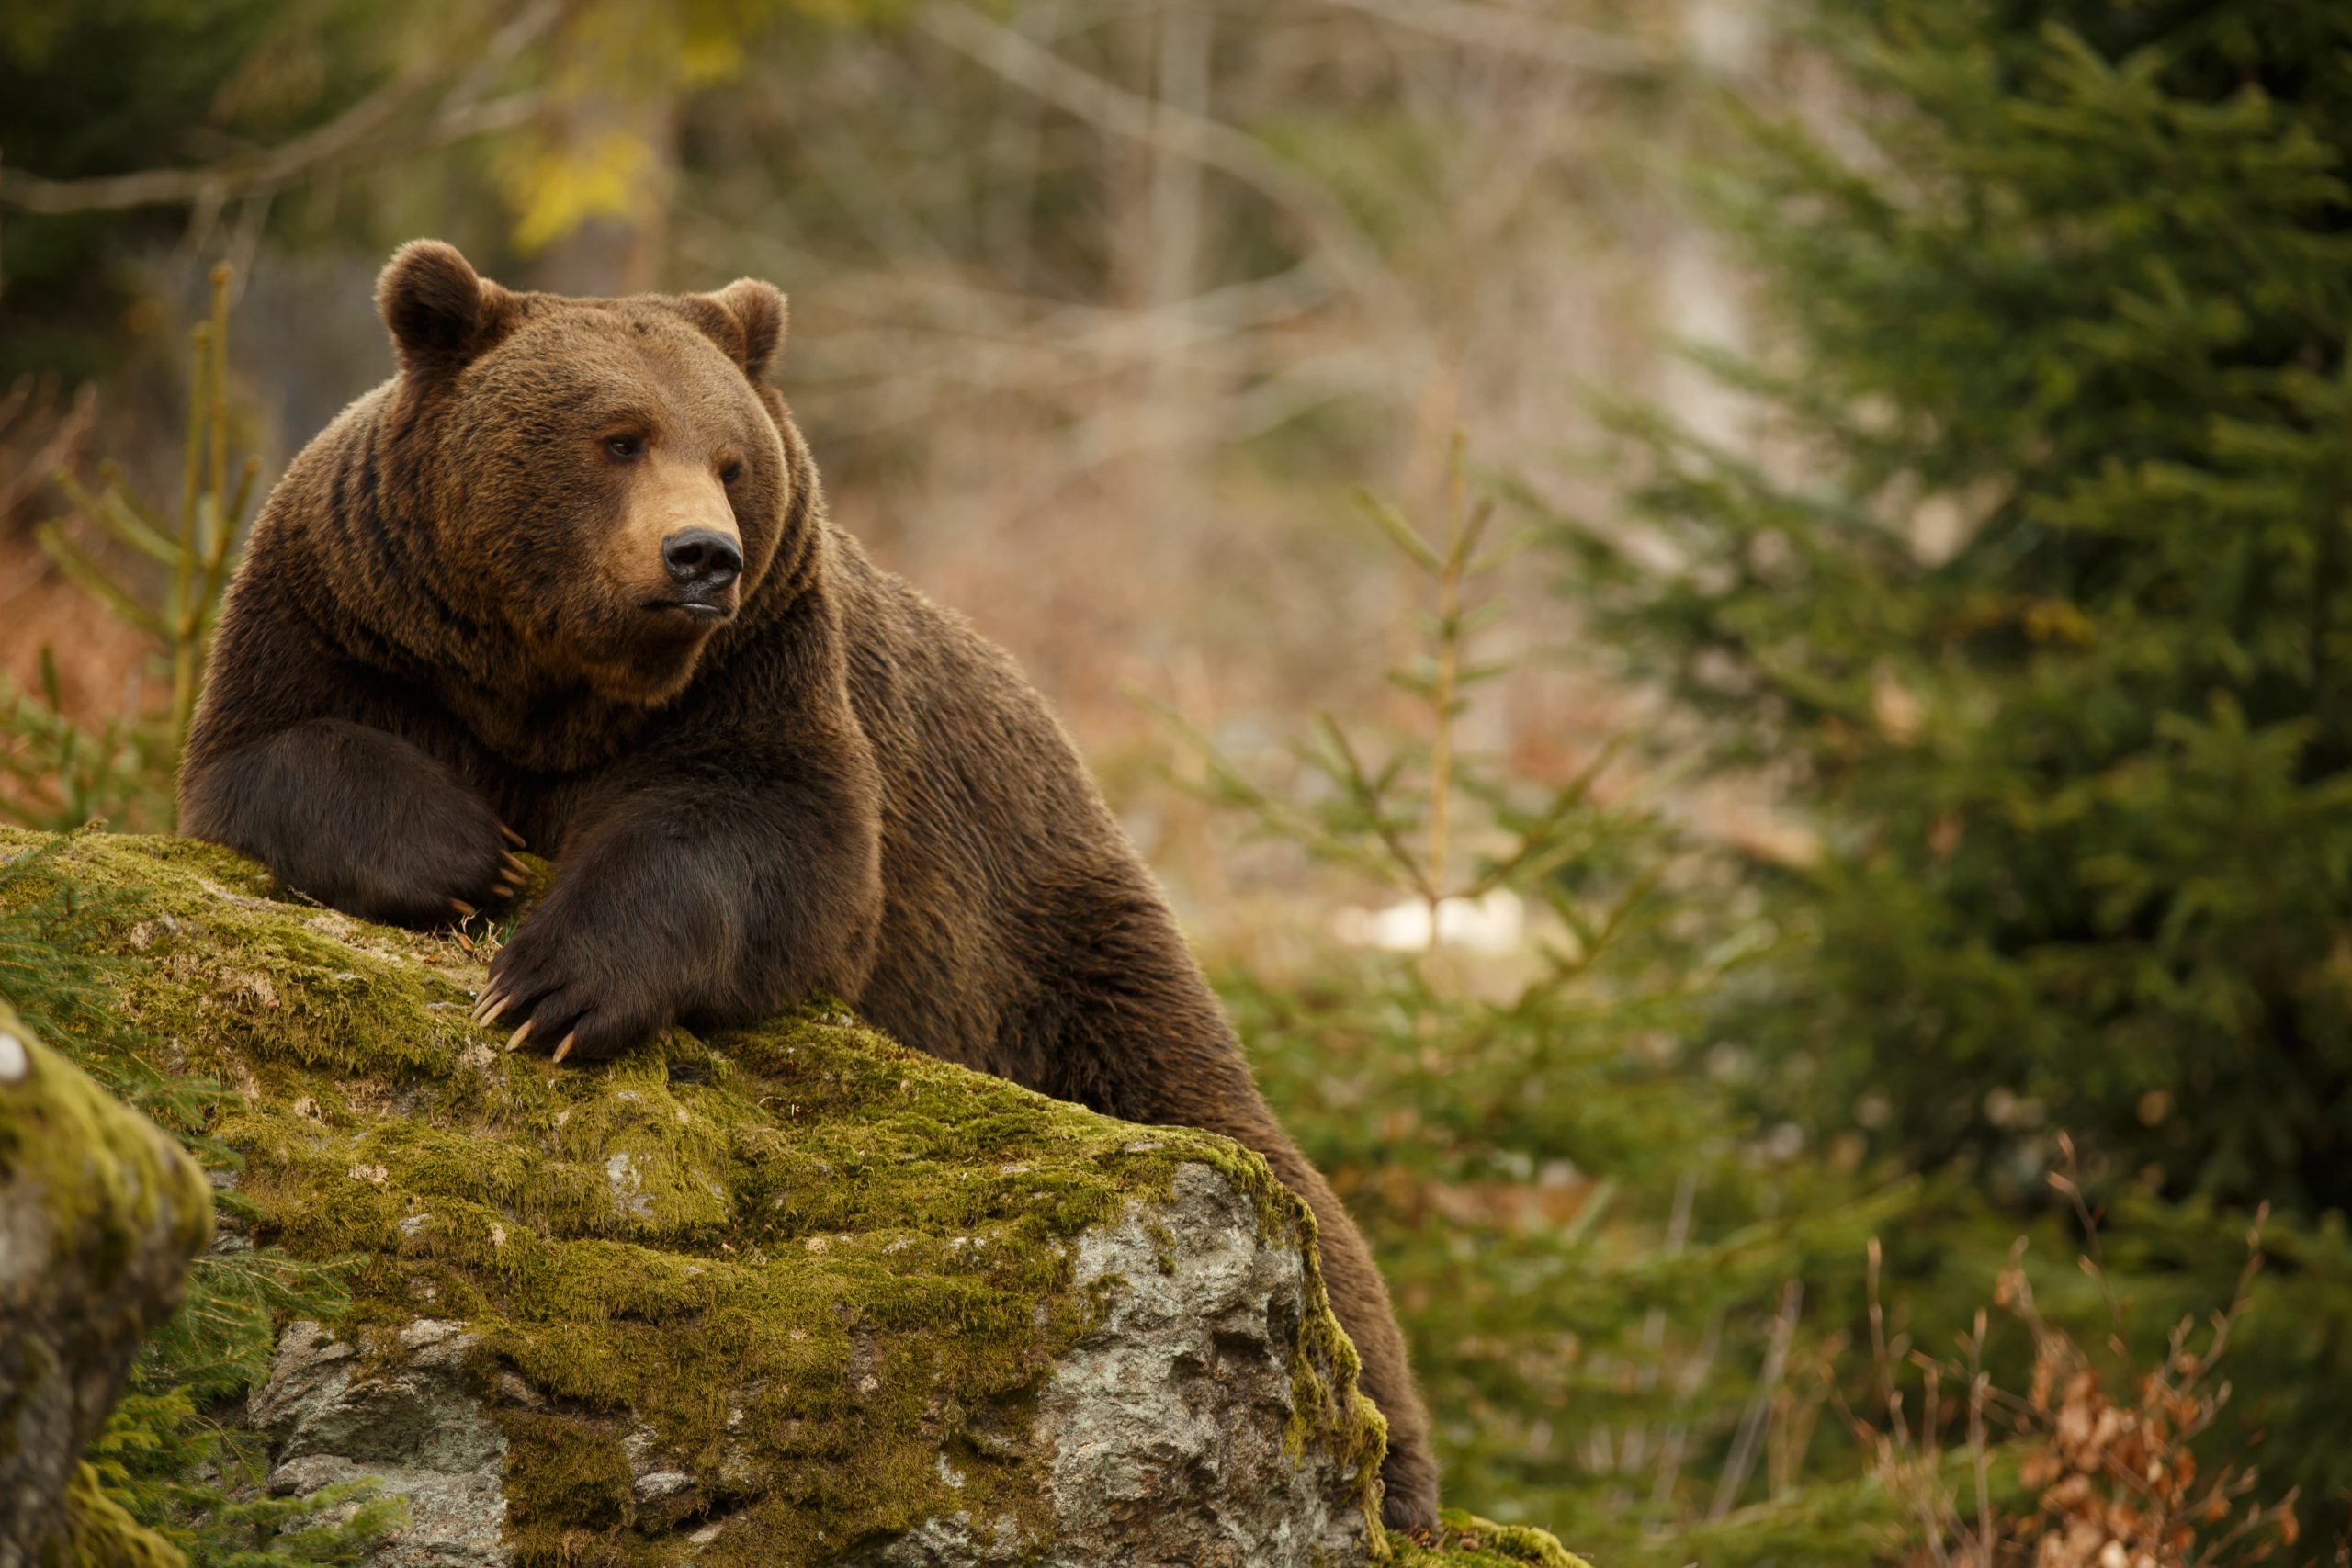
(567, 577)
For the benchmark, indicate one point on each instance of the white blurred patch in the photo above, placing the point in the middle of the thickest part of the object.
(1494, 924)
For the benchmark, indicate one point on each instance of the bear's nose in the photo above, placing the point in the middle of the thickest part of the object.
(702, 558)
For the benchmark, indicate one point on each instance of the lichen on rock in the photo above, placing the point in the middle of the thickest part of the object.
(784, 1295)
(100, 1213)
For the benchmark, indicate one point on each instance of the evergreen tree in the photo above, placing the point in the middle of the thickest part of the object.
(1601, 1266)
(2045, 583)
(2034, 593)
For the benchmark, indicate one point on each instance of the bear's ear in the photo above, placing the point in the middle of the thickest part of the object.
(758, 307)
(441, 314)
(746, 318)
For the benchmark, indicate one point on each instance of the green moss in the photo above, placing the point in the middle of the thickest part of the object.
(579, 1480)
(795, 1263)
(96, 1533)
(122, 1210)
(127, 1209)
(1466, 1541)
(106, 1177)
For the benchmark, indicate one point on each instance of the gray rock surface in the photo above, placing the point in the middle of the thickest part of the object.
(1167, 1427)
(1162, 1437)
(412, 1424)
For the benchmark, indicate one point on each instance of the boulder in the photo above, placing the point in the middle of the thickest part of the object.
(793, 1294)
(100, 1214)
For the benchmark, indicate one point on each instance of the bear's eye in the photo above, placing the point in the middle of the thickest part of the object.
(627, 448)
(730, 473)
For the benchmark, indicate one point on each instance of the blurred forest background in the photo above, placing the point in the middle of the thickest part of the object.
(1728, 622)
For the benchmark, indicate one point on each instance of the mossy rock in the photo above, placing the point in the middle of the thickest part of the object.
(791, 1294)
(1466, 1541)
(100, 1214)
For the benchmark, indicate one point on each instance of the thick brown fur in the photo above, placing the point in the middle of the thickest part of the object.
(442, 630)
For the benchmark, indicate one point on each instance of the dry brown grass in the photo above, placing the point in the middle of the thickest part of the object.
(2104, 1449)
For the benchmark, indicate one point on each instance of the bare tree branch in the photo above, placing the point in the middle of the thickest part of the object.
(1511, 30)
(1329, 224)
(27, 402)
(362, 133)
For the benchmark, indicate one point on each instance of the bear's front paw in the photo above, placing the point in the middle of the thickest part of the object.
(563, 988)
(441, 863)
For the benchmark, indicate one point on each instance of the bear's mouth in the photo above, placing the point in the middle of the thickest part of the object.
(701, 611)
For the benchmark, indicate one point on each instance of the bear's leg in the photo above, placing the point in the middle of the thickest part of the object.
(693, 897)
(357, 818)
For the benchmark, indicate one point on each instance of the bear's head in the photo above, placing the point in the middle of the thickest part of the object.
(605, 481)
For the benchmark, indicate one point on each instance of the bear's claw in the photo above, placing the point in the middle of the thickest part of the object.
(512, 875)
